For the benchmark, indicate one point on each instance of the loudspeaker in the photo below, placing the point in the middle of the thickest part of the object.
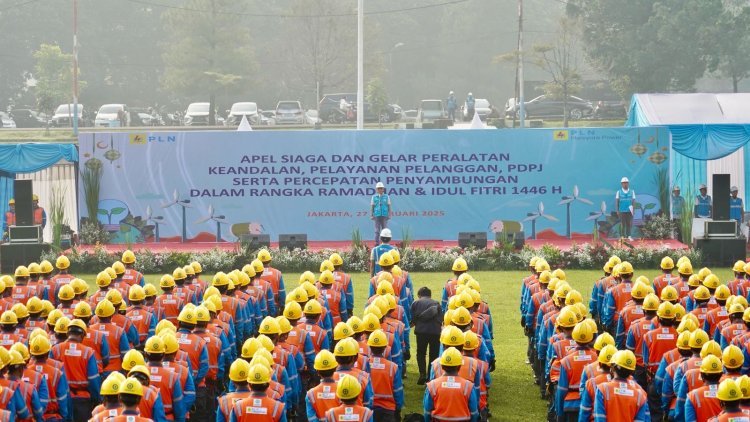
(722, 252)
(22, 195)
(14, 255)
(293, 241)
(256, 241)
(720, 228)
(720, 197)
(472, 239)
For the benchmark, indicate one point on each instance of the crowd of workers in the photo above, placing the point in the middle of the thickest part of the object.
(240, 347)
(675, 348)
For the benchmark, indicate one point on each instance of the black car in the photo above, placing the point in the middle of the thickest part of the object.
(617, 109)
(330, 103)
(25, 117)
(546, 106)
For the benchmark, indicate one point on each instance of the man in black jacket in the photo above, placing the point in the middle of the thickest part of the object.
(427, 318)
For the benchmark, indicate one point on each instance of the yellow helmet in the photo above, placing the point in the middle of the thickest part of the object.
(606, 354)
(533, 261)
(258, 266)
(269, 326)
(703, 273)
(149, 290)
(711, 281)
(667, 263)
(264, 255)
(385, 287)
(386, 260)
(111, 272)
(687, 325)
(729, 390)
(722, 292)
(131, 386)
(325, 361)
(698, 338)
(639, 290)
(336, 259)
(694, 281)
(665, 311)
(189, 270)
(732, 357)
(626, 268)
(602, 340)
(8, 281)
(244, 278)
(702, 293)
(21, 272)
(154, 344)
(239, 371)
(79, 286)
(313, 307)
(582, 333)
(346, 347)
(711, 348)
(284, 325)
(105, 309)
(651, 302)
(567, 317)
(103, 279)
(396, 256)
(77, 323)
(326, 277)
(461, 317)
(451, 357)
(310, 289)
(22, 350)
(165, 324)
(132, 359)
(61, 325)
(197, 267)
(342, 330)
(355, 323)
(82, 310)
(170, 342)
(459, 264)
(377, 339)
(370, 322)
(348, 388)
(110, 386)
(739, 266)
(711, 365)
(624, 359)
(220, 279)
(166, 281)
(20, 310)
(248, 270)
(46, 267)
(736, 308)
(541, 265)
(62, 262)
(471, 341)
(8, 318)
(452, 336)
(669, 294)
(53, 316)
(34, 268)
(211, 291)
(66, 292)
(187, 315)
(15, 358)
(179, 274)
(744, 383)
(202, 315)
(326, 265)
(685, 268)
(293, 311)
(249, 347)
(544, 277)
(128, 257)
(464, 300)
(40, 346)
(118, 267)
(683, 340)
(136, 293)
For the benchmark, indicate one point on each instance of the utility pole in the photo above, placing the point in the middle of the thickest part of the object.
(75, 68)
(521, 101)
(360, 66)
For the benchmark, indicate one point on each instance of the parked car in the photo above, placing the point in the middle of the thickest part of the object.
(311, 117)
(268, 117)
(63, 116)
(612, 108)
(112, 115)
(7, 122)
(545, 106)
(482, 107)
(197, 114)
(430, 110)
(25, 117)
(409, 116)
(290, 112)
(248, 109)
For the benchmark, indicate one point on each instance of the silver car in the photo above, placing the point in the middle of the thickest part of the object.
(290, 112)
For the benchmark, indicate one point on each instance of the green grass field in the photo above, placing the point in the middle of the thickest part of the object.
(513, 395)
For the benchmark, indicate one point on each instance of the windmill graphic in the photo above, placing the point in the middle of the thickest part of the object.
(185, 204)
(596, 215)
(533, 216)
(218, 219)
(567, 201)
(154, 219)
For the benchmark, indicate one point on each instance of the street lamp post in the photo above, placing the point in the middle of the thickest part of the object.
(75, 68)
(360, 66)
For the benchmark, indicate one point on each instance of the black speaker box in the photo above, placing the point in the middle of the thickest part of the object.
(720, 197)
(22, 193)
(256, 241)
(13, 255)
(722, 252)
(293, 241)
(472, 239)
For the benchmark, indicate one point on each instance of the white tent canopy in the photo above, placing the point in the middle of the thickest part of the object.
(691, 109)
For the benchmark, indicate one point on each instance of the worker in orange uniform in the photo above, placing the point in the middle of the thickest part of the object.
(450, 397)
(621, 399)
(117, 341)
(702, 403)
(385, 378)
(167, 381)
(347, 391)
(131, 393)
(62, 277)
(344, 280)
(617, 297)
(665, 278)
(258, 407)
(22, 291)
(589, 384)
(568, 394)
(656, 343)
(333, 299)
(729, 395)
(167, 305)
(80, 369)
(273, 276)
(195, 346)
(10, 218)
(322, 397)
(58, 407)
(239, 373)
(131, 276)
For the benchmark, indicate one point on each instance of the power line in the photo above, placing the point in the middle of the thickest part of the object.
(18, 5)
(291, 15)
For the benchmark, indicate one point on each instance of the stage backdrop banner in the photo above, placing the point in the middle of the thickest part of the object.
(544, 182)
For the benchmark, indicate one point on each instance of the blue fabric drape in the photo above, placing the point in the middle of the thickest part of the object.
(747, 176)
(28, 158)
(6, 192)
(688, 173)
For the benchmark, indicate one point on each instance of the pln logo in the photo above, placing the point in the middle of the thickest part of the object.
(560, 135)
(138, 139)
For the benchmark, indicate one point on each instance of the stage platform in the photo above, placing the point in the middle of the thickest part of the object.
(561, 243)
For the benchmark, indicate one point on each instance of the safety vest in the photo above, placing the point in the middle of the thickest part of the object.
(703, 206)
(622, 399)
(342, 279)
(573, 365)
(382, 375)
(591, 385)
(97, 297)
(33, 323)
(626, 199)
(213, 344)
(560, 349)
(26, 389)
(168, 306)
(230, 305)
(53, 376)
(322, 397)
(331, 299)
(10, 218)
(738, 416)
(192, 344)
(314, 331)
(450, 396)
(163, 379)
(131, 276)
(350, 413)
(141, 318)
(146, 406)
(6, 395)
(704, 402)
(714, 317)
(105, 414)
(731, 331)
(181, 369)
(22, 294)
(95, 340)
(273, 277)
(658, 342)
(112, 333)
(258, 408)
(468, 370)
(38, 216)
(361, 376)
(638, 329)
(184, 293)
(56, 282)
(9, 339)
(662, 281)
(227, 401)
(129, 417)
(629, 314)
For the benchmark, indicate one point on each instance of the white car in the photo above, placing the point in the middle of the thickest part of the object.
(248, 109)
(7, 122)
(481, 106)
(109, 115)
(197, 114)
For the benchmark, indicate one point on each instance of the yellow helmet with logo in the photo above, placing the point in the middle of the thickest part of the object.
(82, 310)
(452, 336)
(258, 266)
(105, 309)
(269, 326)
(732, 357)
(346, 347)
(136, 293)
(103, 279)
(61, 325)
(459, 264)
(110, 386)
(264, 256)
(342, 330)
(602, 340)
(541, 265)
(729, 391)
(187, 315)
(8, 318)
(20, 310)
(202, 314)
(77, 323)
(128, 257)
(694, 281)
(79, 286)
(744, 383)
(377, 339)
(669, 294)
(284, 325)
(46, 267)
(348, 388)
(326, 277)
(451, 357)
(165, 324)
(686, 325)
(698, 338)
(179, 274)
(582, 333)
(170, 342)
(249, 347)
(356, 323)
(702, 293)
(220, 279)
(722, 291)
(665, 311)
(39, 346)
(739, 266)
(461, 317)
(703, 273)
(326, 265)
(624, 359)
(650, 302)
(166, 281)
(132, 359)
(639, 290)
(111, 272)
(386, 260)
(118, 267)
(22, 350)
(325, 361)
(370, 322)
(336, 259)
(711, 281)
(313, 307)
(53, 316)
(711, 348)
(685, 268)
(189, 270)
(22, 272)
(66, 292)
(471, 341)
(293, 311)
(385, 287)
(567, 317)
(131, 386)
(154, 344)
(711, 365)
(679, 312)
(667, 263)
(606, 354)
(62, 262)
(149, 290)
(239, 371)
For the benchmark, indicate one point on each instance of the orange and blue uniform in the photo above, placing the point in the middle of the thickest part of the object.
(620, 401)
(702, 404)
(347, 412)
(568, 394)
(80, 369)
(387, 386)
(450, 398)
(258, 407)
(320, 399)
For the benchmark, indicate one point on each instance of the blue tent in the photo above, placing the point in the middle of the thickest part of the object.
(703, 127)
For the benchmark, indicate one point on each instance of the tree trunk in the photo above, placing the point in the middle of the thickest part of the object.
(212, 110)
(735, 84)
(565, 105)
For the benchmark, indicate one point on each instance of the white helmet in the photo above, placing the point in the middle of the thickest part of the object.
(385, 233)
